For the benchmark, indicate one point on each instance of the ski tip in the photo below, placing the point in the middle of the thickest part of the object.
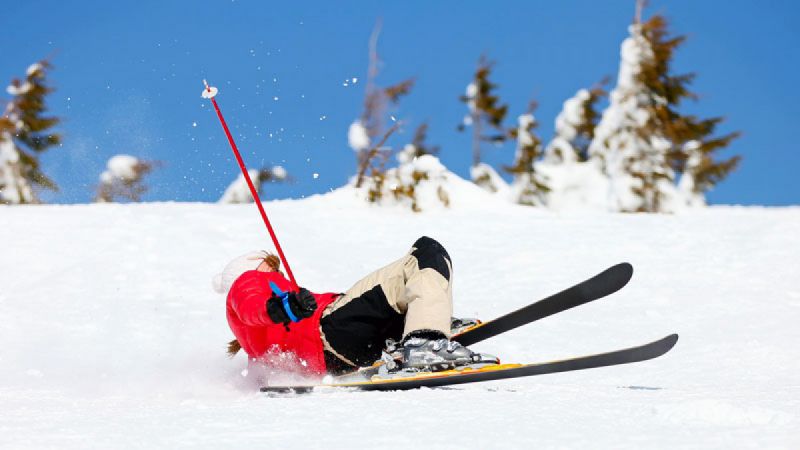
(672, 338)
(625, 267)
(665, 344)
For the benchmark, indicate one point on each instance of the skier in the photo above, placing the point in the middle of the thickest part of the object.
(408, 302)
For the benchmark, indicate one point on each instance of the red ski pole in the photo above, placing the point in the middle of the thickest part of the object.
(210, 93)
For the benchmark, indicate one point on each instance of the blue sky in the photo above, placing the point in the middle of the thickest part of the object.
(129, 77)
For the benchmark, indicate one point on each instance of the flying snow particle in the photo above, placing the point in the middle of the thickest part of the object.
(194, 124)
(316, 175)
(354, 80)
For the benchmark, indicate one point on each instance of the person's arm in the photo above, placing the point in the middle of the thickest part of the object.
(258, 304)
(285, 307)
(249, 303)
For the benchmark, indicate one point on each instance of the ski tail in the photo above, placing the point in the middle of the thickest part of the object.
(605, 283)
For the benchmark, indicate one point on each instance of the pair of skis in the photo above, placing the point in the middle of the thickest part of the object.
(599, 286)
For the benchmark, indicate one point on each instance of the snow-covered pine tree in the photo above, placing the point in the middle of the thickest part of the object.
(629, 148)
(239, 192)
(528, 187)
(418, 170)
(485, 111)
(123, 179)
(693, 146)
(24, 135)
(575, 126)
(642, 143)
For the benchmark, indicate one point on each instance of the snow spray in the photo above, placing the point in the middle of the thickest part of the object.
(210, 92)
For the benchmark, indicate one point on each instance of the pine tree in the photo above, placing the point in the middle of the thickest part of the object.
(529, 187)
(485, 112)
(693, 148)
(418, 147)
(24, 135)
(368, 134)
(575, 126)
(418, 170)
(123, 179)
(629, 149)
(642, 142)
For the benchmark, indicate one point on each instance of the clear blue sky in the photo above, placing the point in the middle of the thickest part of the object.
(129, 76)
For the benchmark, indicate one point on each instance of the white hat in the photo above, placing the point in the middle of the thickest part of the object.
(223, 281)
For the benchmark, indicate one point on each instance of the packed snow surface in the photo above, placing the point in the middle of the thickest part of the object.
(112, 336)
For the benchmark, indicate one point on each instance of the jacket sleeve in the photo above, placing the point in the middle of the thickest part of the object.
(249, 297)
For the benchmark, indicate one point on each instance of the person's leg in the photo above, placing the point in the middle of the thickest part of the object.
(428, 297)
(413, 293)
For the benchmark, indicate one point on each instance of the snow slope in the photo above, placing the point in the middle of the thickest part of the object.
(112, 337)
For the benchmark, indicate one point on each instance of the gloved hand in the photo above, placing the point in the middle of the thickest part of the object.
(298, 306)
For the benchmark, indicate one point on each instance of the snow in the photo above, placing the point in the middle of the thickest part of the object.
(433, 186)
(14, 188)
(34, 69)
(21, 89)
(561, 148)
(471, 94)
(279, 172)
(112, 337)
(357, 136)
(121, 167)
(572, 115)
(239, 191)
(524, 136)
(576, 186)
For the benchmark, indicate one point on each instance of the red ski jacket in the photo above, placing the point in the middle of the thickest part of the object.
(248, 319)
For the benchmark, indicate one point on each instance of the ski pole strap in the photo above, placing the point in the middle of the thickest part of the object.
(288, 309)
(284, 296)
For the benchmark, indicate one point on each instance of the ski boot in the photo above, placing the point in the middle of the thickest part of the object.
(431, 352)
